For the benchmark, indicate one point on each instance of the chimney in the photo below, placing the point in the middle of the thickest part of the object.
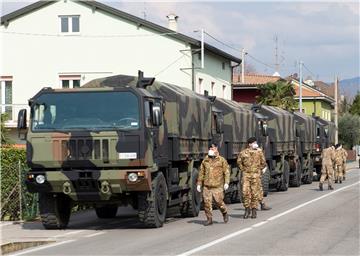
(172, 18)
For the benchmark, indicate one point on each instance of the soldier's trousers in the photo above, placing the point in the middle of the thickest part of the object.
(327, 172)
(251, 190)
(339, 172)
(218, 195)
(344, 169)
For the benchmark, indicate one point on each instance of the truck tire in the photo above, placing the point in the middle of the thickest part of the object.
(55, 210)
(153, 205)
(284, 183)
(106, 212)
(310, 173)
(265, 182)
(295, 181)
(191, 208)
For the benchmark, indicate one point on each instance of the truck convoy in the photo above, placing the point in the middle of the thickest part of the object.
(124, 140)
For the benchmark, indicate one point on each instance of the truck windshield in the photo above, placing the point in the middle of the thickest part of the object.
(86, 110)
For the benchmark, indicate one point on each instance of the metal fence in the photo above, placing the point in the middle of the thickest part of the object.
(16, 202)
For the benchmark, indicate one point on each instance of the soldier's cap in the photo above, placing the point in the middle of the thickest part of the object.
(251, 140)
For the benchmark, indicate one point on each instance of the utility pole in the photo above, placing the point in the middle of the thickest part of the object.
(243, 65)
(300, 85)
(336, 109)
(202, 48)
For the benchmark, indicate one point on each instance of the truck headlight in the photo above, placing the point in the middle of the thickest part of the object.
(132, 177)
(40, 179)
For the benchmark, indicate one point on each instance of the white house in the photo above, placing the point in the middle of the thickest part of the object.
(68, 43)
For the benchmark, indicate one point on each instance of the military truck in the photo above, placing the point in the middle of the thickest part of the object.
(116, 141)
(306, 141)
(279, 143)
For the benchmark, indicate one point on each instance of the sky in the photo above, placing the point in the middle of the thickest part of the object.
(324, 35)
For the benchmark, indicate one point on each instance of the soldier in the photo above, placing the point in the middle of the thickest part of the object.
(327, 171)
(263, 206)
(344, 155)
(214, 176)
(339, 159)
(251, 162)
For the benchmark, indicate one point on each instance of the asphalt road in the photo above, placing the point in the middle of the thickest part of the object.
(303, 221)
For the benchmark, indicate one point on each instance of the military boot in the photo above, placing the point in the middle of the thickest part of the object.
(208, 222)
(330, 188)
(253, 213)
(321, 186)
(344, 176)
(247, 213)
(226, 217)
(264, 207)
(340, 180)
(336, 180)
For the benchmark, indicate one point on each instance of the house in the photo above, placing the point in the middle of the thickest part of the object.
(64, 44)
(314, 101)
(248, 90)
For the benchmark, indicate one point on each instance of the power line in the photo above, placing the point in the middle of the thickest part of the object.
(261, 62)
(221, 42)
(168, 66)
(309, 70)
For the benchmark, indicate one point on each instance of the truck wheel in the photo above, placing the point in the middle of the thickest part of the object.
(55, 210)
(296, 179)
(191, 208)
(284, 183)
(265, 182)
(106, 212)
(153, 205)
(310, 173)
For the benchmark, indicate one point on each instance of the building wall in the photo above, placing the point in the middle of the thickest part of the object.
(245, 95)
(38, 59)
(319, 107)
(215, 77)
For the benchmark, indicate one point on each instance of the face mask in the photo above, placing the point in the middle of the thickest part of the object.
(254, 145)
(211, 153)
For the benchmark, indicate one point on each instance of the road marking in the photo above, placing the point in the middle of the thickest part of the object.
(96, 234)
(3, 224)
(241, 231)
(41, 248)
(69, 233)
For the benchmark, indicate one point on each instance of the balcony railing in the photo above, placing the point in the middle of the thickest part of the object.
(12, 110)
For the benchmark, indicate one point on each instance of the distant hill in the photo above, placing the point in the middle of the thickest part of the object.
(350, 87)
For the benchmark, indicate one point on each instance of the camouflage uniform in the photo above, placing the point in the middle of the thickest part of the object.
(251, 162)
(214, 173)
(344, 155)
(338, 165)
(327, 171)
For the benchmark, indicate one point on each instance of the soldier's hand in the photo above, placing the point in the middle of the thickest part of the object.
(198, 188)
(226, 186)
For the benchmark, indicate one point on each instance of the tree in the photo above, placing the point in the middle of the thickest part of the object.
(349, 130)
(4, 131)
(278, 94)
(355, 107)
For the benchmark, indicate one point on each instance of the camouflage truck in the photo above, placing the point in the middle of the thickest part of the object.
(306, 145)
(325, 137)
(116, 141)
(279, 143)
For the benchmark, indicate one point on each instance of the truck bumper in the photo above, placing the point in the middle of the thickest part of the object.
(85, 185)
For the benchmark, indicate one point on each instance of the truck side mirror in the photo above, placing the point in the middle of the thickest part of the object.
(21, 123)
(156, 115)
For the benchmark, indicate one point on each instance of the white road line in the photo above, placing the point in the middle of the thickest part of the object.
(69, 233)
(241, 231)
(3, 224)
(41, 248)
(259, 224)
(95, 234)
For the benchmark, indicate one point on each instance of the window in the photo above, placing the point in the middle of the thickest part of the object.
(6, 96)
(70, 81)
(223, 91)
(223, 65)
(212, 88)
(70, 24)
(200, 85)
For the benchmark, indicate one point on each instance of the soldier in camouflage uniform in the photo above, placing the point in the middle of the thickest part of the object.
(327, 171)
(339, 163)
(214, 176)
(251, 162)
(344, 156)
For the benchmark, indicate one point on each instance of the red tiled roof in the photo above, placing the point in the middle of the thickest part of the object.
(255, 79)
